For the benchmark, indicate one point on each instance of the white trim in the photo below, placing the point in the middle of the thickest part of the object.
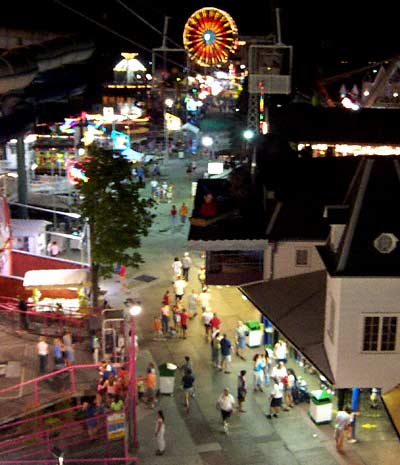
(228, 245)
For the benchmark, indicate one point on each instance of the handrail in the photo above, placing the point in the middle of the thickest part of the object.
(72, 461)
(34, 381)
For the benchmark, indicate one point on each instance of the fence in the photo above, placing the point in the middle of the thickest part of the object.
(48, 323)
(28, 396)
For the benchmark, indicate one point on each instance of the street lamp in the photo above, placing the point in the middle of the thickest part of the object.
(134, 310)
(248, 135)
(208, 142)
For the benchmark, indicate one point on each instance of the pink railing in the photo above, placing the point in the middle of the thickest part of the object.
(47, 388)
(41, 439)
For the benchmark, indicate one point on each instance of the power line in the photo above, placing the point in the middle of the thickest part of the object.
(146, 22)
(112, 31)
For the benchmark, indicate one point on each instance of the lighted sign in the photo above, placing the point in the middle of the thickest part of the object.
(215, 168)
(121, 141)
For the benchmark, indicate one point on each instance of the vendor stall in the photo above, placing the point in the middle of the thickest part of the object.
(71, 284)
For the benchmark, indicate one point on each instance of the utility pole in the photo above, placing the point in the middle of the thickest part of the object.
(22, 178)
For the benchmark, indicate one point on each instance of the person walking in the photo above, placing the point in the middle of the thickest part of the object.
(179, 288)
(43, 354)
(165, 315)
(226, 404)
(184, 322)
(201, 276)
(240, 336)
(204, 299)
(216, 349)
(226, 357)
(188, 387)
(183, 212)
(176, 269)
(258, 373)
(275, 398)
(193, 301)
(206, 318)
(242, 390)
(53, 249)
(173, 213)
(166, 300)
(186, 264)
(215, 322)
(160, 433)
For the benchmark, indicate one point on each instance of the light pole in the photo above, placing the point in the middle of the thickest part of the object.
(134, 310)
(208, 142)
(248, 135)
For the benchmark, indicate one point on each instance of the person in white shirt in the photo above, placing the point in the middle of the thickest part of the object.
(280, 351)
(226, 404)
(43, 354)
(186, 264)
(206, 318)
(276, 398)
(179, 288)
(204, 299)
(342, 424)
(176, 268)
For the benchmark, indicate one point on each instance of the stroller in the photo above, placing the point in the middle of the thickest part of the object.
(302, 394)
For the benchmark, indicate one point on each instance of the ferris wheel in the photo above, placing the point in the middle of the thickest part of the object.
(209, 36)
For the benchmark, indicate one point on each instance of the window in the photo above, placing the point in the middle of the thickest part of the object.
(380, 333)
(302, 257)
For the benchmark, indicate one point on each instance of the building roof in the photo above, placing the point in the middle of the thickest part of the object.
(22, 228)
(369, 245)
(308, 124)
(240, 217)
(296, 307)
(303, 188)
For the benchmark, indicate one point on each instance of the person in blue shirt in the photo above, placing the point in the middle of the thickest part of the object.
(226, 348)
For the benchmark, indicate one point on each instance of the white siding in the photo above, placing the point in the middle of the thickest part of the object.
(333, 292)
(285, 259)
(361, 297)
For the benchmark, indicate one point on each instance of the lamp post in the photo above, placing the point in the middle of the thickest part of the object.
(134, 310)
(248, 135)
(208, 142)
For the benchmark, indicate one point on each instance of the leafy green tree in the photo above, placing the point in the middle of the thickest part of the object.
(117, 215)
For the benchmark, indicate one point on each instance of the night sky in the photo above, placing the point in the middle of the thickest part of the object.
(323, 33)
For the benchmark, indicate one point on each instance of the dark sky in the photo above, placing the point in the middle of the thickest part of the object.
(322, 33)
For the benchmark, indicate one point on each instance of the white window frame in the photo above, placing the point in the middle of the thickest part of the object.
(380, 324)
(303, 249)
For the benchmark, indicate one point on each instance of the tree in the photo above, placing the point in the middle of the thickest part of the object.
(117, 216)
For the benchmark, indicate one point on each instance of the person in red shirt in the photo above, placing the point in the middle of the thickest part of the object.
(214, 323)
(184, 322)
(166, 298)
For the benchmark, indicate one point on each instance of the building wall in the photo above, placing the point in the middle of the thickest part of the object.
(331, 329)
(24, 261)
(357, 298)
(281, 263)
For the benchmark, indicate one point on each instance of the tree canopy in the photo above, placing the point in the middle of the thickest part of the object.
(117, 215)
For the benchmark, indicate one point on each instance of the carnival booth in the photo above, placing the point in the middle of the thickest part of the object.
(64, 290)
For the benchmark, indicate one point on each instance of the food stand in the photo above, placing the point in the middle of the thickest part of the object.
(62, 289)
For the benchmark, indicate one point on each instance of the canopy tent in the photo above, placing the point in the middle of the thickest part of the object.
(190, 127)
(133, 155)
(56, 279)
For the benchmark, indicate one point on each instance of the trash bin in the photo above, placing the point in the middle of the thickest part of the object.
(254, 338)
(167, 378)
(321, 406)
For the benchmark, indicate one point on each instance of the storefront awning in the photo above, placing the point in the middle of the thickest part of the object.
(56, 279)
(296, 307)
(392, 403)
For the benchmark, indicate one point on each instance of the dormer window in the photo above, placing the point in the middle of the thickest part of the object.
(385, 242)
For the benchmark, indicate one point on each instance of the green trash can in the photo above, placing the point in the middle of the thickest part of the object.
(167, 378)
(254, 338)
(321, 406)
